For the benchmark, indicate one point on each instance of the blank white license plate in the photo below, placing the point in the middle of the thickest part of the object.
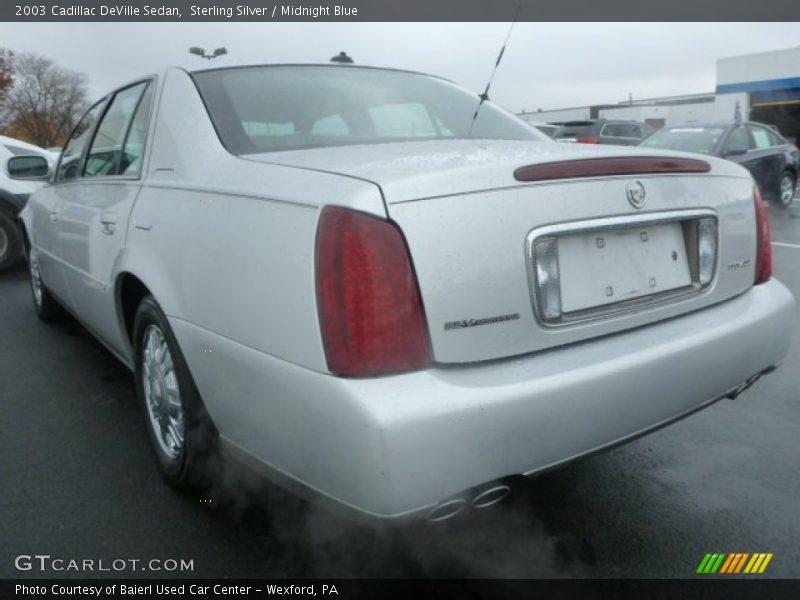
(604, 267)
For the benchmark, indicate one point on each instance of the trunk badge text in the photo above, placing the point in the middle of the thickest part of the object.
(636, 194)
(739, 265)
(475, 322)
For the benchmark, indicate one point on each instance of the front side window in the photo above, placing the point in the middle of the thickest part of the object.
(69, 164)
(264, 109)
(106, 153)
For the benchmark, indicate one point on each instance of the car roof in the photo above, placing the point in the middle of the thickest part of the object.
(330, 65)
(587, 122)
(707, 124)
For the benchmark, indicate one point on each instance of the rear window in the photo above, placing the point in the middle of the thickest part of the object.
(629, 130)
(702, 140)
(576, 129)
(265, 109)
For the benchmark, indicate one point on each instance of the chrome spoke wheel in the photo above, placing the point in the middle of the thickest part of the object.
(787, 190)
(36, 280)
(161, 394)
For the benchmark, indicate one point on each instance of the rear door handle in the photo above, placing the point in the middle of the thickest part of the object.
(108, 221)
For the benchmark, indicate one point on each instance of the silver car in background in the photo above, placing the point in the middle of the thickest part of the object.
(14, 194)
(344, 278)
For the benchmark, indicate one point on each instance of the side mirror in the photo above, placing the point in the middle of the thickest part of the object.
(736, 151)
(31, 167)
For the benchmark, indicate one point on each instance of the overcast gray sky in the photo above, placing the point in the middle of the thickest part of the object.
(546, 65)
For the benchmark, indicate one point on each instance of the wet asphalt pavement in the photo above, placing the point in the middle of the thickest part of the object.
(78, 482)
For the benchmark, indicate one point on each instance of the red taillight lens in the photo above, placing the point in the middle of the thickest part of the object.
(763, 240)
(369, 304)
(587, 140)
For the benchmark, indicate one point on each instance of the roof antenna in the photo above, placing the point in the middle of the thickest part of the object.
(485, 95)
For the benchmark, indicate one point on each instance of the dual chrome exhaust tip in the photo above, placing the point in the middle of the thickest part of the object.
(484, 497)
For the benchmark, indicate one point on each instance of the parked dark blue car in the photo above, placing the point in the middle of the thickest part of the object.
(773, 161)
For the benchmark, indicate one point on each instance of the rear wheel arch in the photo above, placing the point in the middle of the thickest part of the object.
(130, 292)
(194, 465)
(26, 240)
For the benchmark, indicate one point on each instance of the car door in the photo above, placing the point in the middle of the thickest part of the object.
(766, 158)
(95, 210)
(45, 208)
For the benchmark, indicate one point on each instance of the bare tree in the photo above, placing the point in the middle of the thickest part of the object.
(6, 74)
(45, 102)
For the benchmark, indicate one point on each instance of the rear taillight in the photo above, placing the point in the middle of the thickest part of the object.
(763, 240)
(369, 305)
(587, 140)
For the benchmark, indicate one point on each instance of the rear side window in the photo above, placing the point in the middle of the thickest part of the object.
(106, 156)
(763, 138)
(689, 139)
(131, 160)
(69, 164)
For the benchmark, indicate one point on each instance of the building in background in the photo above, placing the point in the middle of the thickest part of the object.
(766, 86)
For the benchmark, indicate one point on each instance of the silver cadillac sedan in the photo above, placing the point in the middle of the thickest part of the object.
(378, 290)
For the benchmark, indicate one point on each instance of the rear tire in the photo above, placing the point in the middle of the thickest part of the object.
(10, 242)
(787, 187)
(181, 433)
(46, 306)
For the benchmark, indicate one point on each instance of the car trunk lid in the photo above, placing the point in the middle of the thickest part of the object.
(472, 228)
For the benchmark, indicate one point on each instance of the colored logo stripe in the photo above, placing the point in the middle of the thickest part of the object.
(710, 563)
(758, 563)
(735, 562)
(735, 565)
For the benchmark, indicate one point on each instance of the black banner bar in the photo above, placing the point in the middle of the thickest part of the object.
(398, 10)
(708, 587)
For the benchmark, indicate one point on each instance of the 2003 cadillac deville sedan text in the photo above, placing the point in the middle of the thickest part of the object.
(347, 279)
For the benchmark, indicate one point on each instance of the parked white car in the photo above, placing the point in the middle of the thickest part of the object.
(341, 277)
(13, 195)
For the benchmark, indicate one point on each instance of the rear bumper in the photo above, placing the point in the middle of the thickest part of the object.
(395, 446)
